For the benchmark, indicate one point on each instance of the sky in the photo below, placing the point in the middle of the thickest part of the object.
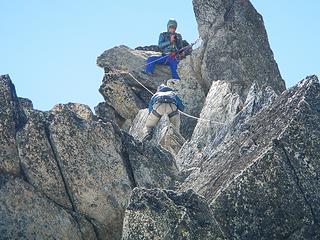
(49, 48)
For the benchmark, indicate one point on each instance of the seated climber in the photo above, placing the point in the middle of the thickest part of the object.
(164, 101)
(170, 43)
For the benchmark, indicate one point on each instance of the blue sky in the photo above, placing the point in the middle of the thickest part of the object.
(49, 48)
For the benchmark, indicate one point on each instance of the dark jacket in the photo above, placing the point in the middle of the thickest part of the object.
(166, 95)
(166, 46)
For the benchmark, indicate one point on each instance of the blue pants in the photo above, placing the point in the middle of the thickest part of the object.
(168, 60)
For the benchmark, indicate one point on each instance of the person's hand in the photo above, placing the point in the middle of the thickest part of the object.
(172, 38)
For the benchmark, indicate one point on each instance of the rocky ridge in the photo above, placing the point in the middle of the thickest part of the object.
(252, 164)
(68, 161)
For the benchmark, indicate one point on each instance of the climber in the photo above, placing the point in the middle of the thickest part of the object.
(170, 43)
(164, 101)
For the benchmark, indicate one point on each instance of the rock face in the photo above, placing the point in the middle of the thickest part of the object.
(76, 169)
(38, 159)
(235, 55)
(165, 133)
(150, 166)
(236, 47)
(161, 214)
(28, 214)
(11, 119)
(189, 89)
(220, 108)
(209, 134)
(256, 179)
(100, 183)
(252, 160)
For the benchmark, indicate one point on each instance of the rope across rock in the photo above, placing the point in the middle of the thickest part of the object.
(116, 72)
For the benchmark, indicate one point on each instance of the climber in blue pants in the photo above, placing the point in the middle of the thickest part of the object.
(170, 43)
(168, 60)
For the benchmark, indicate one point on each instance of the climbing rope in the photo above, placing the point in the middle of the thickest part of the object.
(118, 72)
(140, 83)
(183, 113)
(201, 119)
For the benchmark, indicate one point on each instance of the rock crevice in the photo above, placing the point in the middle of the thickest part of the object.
(62, 174)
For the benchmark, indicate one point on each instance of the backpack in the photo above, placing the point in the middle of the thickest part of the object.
(167, 98)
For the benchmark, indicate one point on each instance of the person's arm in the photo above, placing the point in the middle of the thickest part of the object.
(163, 43)
(179, 41)
(180, 105)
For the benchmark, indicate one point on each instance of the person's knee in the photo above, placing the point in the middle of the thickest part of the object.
(152, 120)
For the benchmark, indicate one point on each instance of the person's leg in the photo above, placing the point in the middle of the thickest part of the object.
(152, 61)
(175, 120)
(174, 116)
(152, 121)
(173, 63)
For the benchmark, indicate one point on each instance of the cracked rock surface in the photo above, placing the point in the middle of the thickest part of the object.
(78, 167)
(249, 169)
(267, 174)
(162, 214)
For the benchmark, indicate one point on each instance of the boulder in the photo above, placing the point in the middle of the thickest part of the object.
(151, 166)
(82, 111)
(162, 214)
(124, 58)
